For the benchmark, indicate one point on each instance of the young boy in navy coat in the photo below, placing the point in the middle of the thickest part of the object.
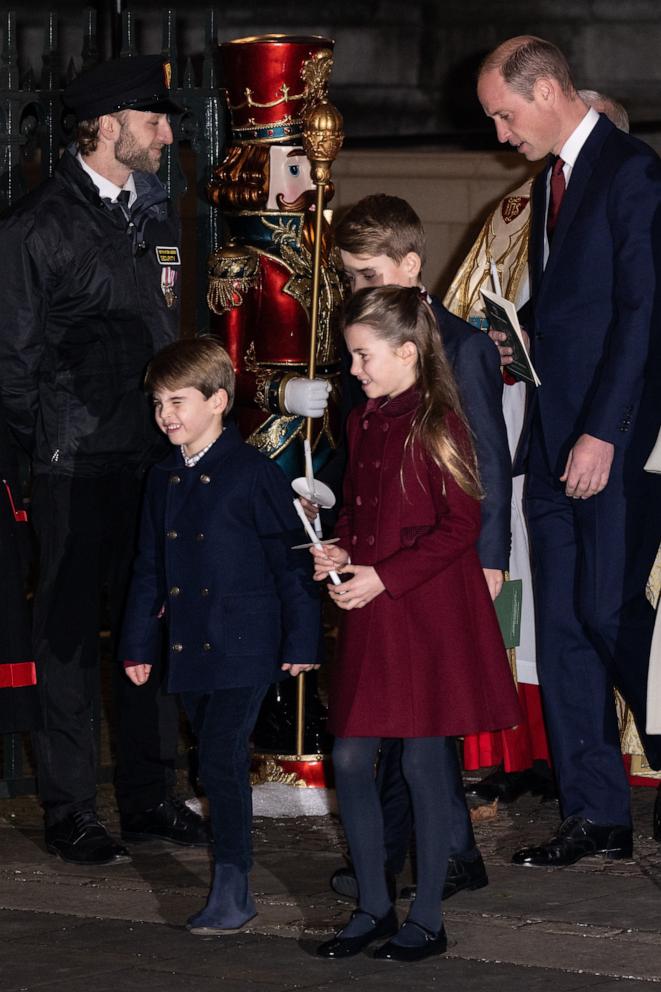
(215, 562)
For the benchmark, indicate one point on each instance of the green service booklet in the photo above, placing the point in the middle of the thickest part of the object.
(508, 611)
(501, 314)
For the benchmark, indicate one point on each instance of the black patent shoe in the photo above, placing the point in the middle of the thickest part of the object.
(431, 943)
(656, 818)
(172, 820)
(80, 839)
(578, 838)
(346, 947)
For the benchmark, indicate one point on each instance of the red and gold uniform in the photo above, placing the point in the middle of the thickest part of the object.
(260, 281)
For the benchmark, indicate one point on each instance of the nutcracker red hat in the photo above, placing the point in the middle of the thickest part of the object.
(269, 80)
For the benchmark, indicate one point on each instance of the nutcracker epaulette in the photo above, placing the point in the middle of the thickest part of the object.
(233, 270)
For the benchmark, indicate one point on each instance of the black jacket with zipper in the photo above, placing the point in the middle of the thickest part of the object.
(82, 313)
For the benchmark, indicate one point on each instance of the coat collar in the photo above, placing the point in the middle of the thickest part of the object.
(227, 444)
(402, 404)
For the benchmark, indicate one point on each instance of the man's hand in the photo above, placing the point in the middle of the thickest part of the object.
(307, 397)
(359, 591)
(494, 578)
(295, 670)
(506, 352)
(588, 467)
(138, 674)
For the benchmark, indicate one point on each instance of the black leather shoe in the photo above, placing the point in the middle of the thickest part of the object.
(80, 839)
(656, 819)
(507, 787)
(578, 838)
(171, 820)
(346, 947)
(344, 882)
(462, 874)
(433, 943)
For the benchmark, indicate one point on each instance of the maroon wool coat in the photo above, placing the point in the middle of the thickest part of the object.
(426, 657)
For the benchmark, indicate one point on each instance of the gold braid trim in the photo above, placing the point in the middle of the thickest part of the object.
(233, 271)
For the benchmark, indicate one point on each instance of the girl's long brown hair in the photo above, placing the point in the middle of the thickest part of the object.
(397, 315)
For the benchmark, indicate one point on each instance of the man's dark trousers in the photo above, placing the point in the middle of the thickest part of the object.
(85, 528)
(591, 559)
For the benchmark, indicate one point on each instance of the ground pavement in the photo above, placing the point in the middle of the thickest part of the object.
(594, 926)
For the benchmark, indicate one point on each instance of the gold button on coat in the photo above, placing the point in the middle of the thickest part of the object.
(172, 535)
(205, 479)
(175, 480)
(177, 647)
(204, 591)
(206, 646)
(175, 590)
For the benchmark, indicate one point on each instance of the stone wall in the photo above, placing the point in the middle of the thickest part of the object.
(451, 191)
(407, 69)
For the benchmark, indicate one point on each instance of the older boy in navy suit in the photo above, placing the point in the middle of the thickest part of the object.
(215, 562)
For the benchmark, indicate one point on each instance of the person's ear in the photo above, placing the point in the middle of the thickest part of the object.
(109, 127)
(544, 90)
(219, 401)
(412, 265)
(408, 352)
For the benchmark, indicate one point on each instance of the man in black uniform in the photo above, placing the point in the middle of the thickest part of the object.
(91, 263)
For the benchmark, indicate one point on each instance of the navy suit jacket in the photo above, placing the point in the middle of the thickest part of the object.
(215, 550)
(475, 361)
(595, 315)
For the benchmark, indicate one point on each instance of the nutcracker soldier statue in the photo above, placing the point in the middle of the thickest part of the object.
(260, 289)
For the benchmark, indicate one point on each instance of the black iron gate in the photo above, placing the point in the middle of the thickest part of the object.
(34, 128)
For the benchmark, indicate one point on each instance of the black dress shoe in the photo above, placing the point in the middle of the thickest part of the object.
(80, 839)
(504, 786)
(432, 943)
(171, 820)
(656, 818)
(346, 947)
(578, 838)
(344, 882)
(462, 874)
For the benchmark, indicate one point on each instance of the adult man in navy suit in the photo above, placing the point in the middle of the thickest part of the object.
(594, 516)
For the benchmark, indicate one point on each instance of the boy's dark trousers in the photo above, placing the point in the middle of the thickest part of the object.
(223, 721)
(85, 529)
(396, 804)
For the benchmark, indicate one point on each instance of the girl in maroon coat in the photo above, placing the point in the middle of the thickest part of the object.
(421, 655)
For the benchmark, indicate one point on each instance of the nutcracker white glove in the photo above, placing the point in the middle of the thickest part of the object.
(307, 397)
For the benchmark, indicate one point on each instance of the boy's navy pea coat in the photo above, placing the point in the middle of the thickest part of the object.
(215, 551)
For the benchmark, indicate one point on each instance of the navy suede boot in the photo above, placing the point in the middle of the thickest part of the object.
(229, 906)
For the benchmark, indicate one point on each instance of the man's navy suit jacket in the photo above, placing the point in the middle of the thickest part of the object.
(596, 307)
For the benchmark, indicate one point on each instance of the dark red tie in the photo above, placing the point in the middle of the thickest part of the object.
(557, 192)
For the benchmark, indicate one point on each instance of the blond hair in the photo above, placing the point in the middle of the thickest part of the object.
(201, 363)
(397, 315)
(381, 225)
